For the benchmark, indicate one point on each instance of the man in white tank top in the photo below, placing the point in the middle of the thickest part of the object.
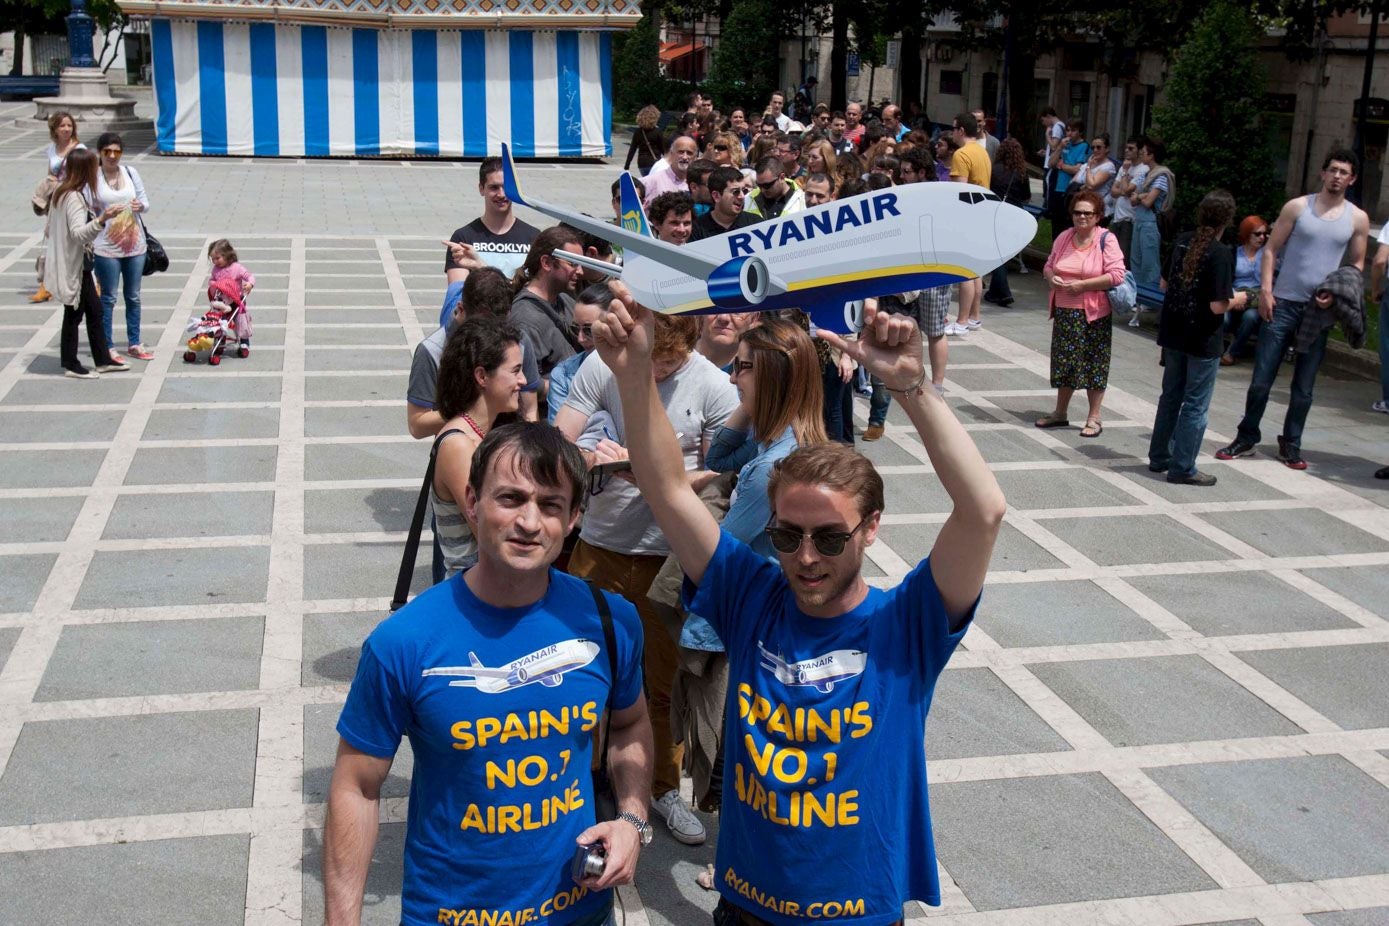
(1314, 235)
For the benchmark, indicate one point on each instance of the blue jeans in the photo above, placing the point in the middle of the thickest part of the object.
(1384, 346)
(839, 406)
(1243, 324)
(879, 403)
(1145, 258)
(111, 271)
(1187, 384)
(1273, 341)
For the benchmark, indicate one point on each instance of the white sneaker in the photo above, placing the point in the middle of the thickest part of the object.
(974, 324)
(954, 330)
(1380, 406)
(683, 824)
(1133, 320)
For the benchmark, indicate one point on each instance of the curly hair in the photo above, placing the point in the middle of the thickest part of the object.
(1215, 211)
(648, 116)
(478, 342)
(1011, 157)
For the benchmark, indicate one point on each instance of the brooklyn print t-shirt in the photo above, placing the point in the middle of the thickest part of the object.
(824, 815)
(506, 252)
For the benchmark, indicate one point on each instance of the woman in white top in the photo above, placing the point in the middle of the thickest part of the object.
(62, 140)
(120, 249)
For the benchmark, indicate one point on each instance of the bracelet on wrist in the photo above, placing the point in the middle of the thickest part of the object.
(916, 388)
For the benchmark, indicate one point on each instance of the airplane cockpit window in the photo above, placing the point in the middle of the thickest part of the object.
(970, 199)
(964, 198)
(992, 197)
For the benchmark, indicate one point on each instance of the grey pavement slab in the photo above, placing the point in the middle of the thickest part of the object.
(1012, 378)
(1012, 551)
(358, 570)
(379, 358)
(190, 514)
(1148, 539)
(1377, 916)
(888, 452)
(1233, 603)
(153, 658)
(1296, 532)
(39, 520)
(381, 899)
(200, 383)
(8, 636)
(1060, 488)
(1297, 819)
(1161, 699)
(1231, 484)
(101, 767)
(151, 578)
(24, 578)
(212, 424)
(1027, 409)
(333, 511)
(355, 422)
(970, 413)
(1368, 588)
(207, 466)
(375, 312)
(1057, 614)
(974, 714)
(375, 387)
(1012, 446)
(402, 459)
(49, 469)
(377, 335)
(333, 643)
(1084, 841)
(321, 747)
(1346, 683)
(916, 494)
(193, 880)
(67, 427)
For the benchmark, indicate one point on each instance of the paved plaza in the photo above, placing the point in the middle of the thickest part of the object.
(1172, 708)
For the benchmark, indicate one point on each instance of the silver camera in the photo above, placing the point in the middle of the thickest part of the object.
(589, 862)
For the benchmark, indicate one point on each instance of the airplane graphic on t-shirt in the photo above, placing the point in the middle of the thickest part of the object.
(546, 666)
(820, 672)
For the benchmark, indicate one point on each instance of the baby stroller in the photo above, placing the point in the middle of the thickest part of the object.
(208, 335)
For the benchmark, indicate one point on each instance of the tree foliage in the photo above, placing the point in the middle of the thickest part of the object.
(746, 62)
(636, 68)
(1210, 119)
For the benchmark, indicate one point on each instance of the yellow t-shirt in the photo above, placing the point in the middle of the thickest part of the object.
(970, 164)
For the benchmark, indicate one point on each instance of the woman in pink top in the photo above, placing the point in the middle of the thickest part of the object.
(1085, 263)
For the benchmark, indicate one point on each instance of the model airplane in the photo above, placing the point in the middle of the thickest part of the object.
(820, 260)
(546, 666)
(820, 673)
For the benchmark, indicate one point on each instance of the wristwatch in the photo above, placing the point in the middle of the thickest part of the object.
(644, 831)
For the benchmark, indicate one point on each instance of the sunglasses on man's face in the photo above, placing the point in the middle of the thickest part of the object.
(788, 540)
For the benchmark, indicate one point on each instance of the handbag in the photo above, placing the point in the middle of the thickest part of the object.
(156, 258)
(43, 193)
(1124, 297)
(412, 539)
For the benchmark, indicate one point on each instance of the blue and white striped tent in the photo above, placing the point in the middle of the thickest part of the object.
(229, 88)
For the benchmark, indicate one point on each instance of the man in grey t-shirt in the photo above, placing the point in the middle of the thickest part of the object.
(620, 548)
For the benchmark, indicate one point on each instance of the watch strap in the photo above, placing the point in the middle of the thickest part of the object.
(643, 827)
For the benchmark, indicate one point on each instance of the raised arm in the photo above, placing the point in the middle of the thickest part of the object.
(890, 349)
(624, 335)
(349, 833)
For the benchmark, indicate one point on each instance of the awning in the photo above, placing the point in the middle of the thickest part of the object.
(673, 51)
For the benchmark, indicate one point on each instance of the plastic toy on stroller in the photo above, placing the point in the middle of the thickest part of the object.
(208, 335)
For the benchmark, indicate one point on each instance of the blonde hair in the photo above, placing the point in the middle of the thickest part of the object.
(826, 154)
(675, 336)
(647, 117)
(735, 147)
(789, 391)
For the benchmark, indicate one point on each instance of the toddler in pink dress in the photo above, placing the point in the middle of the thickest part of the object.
(226, 268)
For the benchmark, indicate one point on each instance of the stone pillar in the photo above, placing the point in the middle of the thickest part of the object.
(83, 90)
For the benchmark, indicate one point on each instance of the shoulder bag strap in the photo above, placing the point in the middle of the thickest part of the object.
(610, 644)
(412, 541)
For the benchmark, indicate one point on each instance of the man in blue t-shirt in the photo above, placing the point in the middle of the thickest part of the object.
(824, 813)
(500, 678)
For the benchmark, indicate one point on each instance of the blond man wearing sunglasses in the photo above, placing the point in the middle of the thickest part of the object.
(824, 810)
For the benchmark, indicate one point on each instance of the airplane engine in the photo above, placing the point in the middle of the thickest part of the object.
(739, 283)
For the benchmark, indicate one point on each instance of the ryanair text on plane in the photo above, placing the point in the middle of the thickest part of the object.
(806, 226)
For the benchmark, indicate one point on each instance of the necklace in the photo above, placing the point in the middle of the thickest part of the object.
(473, 424)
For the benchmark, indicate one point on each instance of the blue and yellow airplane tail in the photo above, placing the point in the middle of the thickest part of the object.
(633, 212)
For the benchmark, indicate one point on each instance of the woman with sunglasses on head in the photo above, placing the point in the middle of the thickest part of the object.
(1242, 321)
(120, 249)
(1085, 263)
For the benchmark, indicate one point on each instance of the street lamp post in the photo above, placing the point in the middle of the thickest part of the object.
(80, 32)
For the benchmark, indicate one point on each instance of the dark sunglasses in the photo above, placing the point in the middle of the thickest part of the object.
(1081, 212)
(111, 152)
(720, 147)
(788, 540)
(581, 331)
(1261, 234)
(740, 365)
(768, 185)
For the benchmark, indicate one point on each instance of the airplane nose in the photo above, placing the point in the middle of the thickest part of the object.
(1014, 230)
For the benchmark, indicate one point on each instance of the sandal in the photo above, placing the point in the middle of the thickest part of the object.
(1052, 421)
(1092, 428)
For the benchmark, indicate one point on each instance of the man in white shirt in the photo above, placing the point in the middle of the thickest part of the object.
(1132, 172)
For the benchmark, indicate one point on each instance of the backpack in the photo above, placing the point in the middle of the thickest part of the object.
(1167, 218)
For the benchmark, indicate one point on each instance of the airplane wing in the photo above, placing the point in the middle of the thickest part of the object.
(475, 671)
(630, 242)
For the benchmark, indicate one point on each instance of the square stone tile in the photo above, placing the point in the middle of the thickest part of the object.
(1013, 378)
(1231, 603)
(1027, 409)
(975, 414)
(376, 311)
(202, 384)
(974, 714)
(210, 424)
(333, 643)
(887, 452)
(154, 657)
(191, 514)
(403, 459)
(8, 636)
(335, 511)
(1012, 446)
(1296, 532)
(359, 388)
(39, 520)
(1090, 843)
(381, 905)
(207, 466)
(380, 358)
(320, 750)
(1231, 484)
(1057, 613)
(25, 575)
(1367, 587)
(1298, 819)
(428, 318)
(1145, 539)
(1346, 683)
(1013, 551)
(1060, 488)
(371, 421)
(1162, 699)
(195, 880)
(70, 426)
(916, 494)
(1371, 917)
(99, 767)
(49, 469)
(359, 570)
(265, 357)
(267, 335)
(153, 578)
(376, 336)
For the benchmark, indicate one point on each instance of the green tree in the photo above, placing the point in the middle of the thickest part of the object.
(1210, 116)
(744, 71)
(636, 68)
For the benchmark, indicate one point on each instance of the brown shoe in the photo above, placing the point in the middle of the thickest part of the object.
(1227, 361)
(873, 432)
(42, 295)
